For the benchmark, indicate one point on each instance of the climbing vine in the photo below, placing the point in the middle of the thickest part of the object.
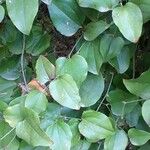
(74, 74)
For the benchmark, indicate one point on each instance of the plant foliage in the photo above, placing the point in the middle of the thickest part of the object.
(94, 97)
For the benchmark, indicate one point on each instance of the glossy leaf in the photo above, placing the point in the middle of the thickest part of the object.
(38, 41)
(30, 131)
(133, 117)
(10, 68)
(7, 134)
(66, 16)
(139, 86)
(73, 123)
(52, 112)
(13, 115)
(146, 111)
(123, 17)
(91, 90)
(118, 141)
(61, 135)
(138, 137)
(22, 13)
(48, 2)
(15, 47)
(13, 145)
(100, 5)
(65, 91)
(117, 98)
(3, 106)
(6, 89)
(94, 29)
(110, 46)
(122, 61)
(2, 13)
(76, 66)
(8, 32)
(45, 70)
(36, 101)
(18, 100)
(82, 145)
(95, 126)
(90, 51)
(144, 6)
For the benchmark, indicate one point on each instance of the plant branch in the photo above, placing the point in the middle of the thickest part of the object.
(112, 76)
(74, 46)
(22, 63)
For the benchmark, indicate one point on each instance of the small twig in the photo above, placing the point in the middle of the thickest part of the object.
(22, 64)
(99, 146)
(112, 76)
(133, 73)
(67, 118)
(74, 47)
(123, 110)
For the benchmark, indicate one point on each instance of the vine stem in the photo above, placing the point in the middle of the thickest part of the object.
(74, 46)
(112, 76)
(125, 103)
(133, 74)
(66, 117)
(22, 63)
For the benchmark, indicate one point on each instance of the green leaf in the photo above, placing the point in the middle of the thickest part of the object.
(10, 68)
(146, 111)
(61, 135)
(66, 16)
(73, 123)
(65, 91)
(36, 101)
(118, 141)
(100, 5)
(15, 47)
(18, 100)
(38, 41)
(91, 90)
(133, 117)
(145, 146)
(144, 6)
(123, 18)
(95, 126)
(6, 89)
(52, 112)
(8, 33)
(76, 66)
(110, 46)
(26, 146)
(140, 86)
(117, 98)
(22, 13)
(45, 70)
(122, 61)
(3, 106)
(13, 115)
(4, 52)
(48, 2)
(94, 29)
(7, 134)
(90, 51)
(14, 145)
(30, 131)
(82, 145)
(138, 137)
(2, 13)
